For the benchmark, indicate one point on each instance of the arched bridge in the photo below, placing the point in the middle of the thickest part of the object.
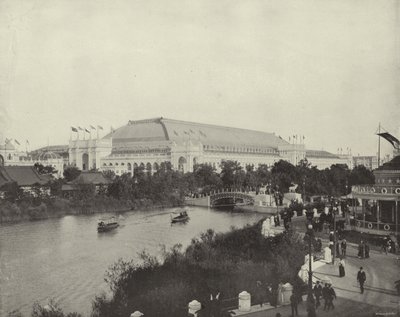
(242, 197)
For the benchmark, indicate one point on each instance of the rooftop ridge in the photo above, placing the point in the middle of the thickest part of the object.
(161, 119)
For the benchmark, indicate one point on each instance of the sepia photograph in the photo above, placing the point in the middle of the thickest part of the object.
(199, 158)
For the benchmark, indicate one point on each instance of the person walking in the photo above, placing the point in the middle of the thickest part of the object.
(318, 294)
(293, 304)
(331, 297)
(342, 272)
(343, 246)
(325, 294)
(361, 278)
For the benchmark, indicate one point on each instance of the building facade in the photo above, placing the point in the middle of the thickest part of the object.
(379, 203)
(149, 143)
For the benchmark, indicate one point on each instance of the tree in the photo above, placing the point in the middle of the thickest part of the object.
(206, 177)
(232, 174)
(71, 172)
(361, 175)
(45, 170)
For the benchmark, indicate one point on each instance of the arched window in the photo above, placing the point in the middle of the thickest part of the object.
(181, 164)
(148, 168)
(129, 167)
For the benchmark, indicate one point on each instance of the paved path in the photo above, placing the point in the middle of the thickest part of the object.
(379, 295)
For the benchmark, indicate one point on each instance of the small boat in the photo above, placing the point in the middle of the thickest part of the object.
(182, 217)
(107, 224)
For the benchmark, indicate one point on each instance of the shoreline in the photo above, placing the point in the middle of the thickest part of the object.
(47, 212)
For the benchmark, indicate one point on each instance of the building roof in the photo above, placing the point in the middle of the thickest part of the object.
(95, 178)
(8, 146)
(61, 150)
(166, 130)
(320, 154)
(23, 175)
(394, 164)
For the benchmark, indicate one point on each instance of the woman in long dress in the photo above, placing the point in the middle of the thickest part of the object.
(341, 268)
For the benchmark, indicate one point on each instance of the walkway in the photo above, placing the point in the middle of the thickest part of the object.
(379, 295)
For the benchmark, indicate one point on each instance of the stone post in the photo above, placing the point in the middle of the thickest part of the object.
(193, 307)
(244, 302)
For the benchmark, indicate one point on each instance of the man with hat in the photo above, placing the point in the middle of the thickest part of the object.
(361, 278)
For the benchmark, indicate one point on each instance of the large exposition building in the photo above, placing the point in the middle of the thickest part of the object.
(148, 143)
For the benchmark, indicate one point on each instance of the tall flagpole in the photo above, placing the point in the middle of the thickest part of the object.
(379, 144)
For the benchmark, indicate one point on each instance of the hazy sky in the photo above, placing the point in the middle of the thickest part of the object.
(328, 70)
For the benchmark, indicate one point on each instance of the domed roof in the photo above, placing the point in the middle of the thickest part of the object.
(47, 155)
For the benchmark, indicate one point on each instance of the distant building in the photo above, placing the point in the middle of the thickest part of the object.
(25, 177)
(370, 162)
(148, 143)
(85, 178)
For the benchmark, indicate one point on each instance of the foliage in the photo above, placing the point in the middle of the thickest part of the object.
(213, 262)
(71, 172)
(45, 170)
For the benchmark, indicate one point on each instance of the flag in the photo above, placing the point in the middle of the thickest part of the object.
(80, 128)
(176, 133)
(92, 127)
(202, 133)
(191, 131)
(99, 127)
(185, 132)
(16, 142)
(74, 129)
(391, 139)
(86, 130)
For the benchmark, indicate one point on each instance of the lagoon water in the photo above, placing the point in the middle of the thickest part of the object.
(66, 259)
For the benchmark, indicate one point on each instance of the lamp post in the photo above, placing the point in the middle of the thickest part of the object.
(310, 297)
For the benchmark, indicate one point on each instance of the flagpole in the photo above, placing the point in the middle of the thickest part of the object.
(379, 144)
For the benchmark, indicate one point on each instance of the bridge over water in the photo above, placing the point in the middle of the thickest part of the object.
(217, 198)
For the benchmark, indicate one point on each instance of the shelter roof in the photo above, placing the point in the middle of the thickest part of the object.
(162, 129)
(394, 164)
(95, 178)
(23, 175)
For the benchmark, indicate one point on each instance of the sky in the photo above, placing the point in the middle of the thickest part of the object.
(328, 70)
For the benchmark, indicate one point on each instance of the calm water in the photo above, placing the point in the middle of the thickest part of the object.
(66, 258)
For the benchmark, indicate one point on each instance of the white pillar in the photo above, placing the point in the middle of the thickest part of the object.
(193, 307)
(244, 301)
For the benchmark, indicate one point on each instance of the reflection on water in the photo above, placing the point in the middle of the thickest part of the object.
(66, 258)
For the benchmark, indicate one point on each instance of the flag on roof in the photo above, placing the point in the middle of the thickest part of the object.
(74, 129)
(176, 133)
(191, 131)
(92, 127)
(80, 128)
(185, 132)
(16, 142)
(391, 139)
(99, 127)
(86, 130)
(202, 133)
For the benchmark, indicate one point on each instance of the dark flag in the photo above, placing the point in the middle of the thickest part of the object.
(86, 130)
(16, 142)
(391, 139)
(74, 129)
(99, 127)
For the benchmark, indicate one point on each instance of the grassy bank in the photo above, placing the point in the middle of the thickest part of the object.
(30, 210)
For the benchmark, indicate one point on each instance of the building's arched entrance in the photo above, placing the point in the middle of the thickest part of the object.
(85, 162)
(182, 164)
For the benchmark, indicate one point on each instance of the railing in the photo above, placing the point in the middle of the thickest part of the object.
(371, 225)
(377, 189)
